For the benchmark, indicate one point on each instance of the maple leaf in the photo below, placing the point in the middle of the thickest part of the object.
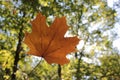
(49, 42)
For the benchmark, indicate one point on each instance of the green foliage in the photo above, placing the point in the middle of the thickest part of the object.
(110, 66)
(90, 20)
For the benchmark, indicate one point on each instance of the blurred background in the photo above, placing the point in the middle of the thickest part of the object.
(95, 22)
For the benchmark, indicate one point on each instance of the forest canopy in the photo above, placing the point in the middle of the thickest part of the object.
(92, 21)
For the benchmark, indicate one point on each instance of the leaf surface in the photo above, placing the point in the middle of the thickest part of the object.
(49, 42)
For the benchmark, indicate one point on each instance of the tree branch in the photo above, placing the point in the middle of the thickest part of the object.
(79, 59)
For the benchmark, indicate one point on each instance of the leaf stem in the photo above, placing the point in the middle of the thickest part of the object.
(35, 67)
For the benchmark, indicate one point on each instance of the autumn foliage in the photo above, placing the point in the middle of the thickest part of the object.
(49, 42)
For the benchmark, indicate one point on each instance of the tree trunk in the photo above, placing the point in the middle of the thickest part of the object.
(18, 50)
(59, 72)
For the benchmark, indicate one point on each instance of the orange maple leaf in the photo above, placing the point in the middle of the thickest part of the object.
(49, 42)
